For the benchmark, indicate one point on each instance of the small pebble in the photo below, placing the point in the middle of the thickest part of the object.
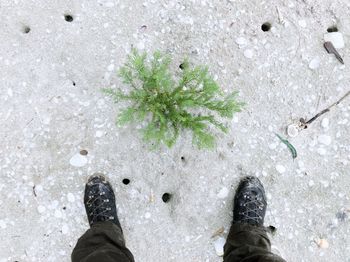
(314, 63)
(321, 151)
(302, 23)
(70, 197)
(78, 160)
(110, 67)
(336, 38)
(223, 193)
(324, 139)
(58, 214)
(3, 224)
(249, 53)
(147, 215)
(65, 229)
(280, 169)
(325, 123)
(241, 41)
(292, 130)
(219, 246)
(322, 243)
(99, 133)
(41, 209)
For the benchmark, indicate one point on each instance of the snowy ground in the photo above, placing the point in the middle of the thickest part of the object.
(52, 71)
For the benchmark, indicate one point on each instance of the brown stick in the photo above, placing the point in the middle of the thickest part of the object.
(327, 109)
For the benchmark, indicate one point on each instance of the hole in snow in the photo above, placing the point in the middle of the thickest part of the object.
(166, 197)
(126, 181)
(83, 152)
(266, 26)
(26, 29)
(332, 29)
(68, 18)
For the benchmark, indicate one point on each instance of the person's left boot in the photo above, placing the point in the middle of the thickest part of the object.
(99, 201)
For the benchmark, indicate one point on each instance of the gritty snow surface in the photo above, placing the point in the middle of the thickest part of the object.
(58, 128)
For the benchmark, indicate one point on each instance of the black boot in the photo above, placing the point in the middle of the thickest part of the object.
(99, 201)
(250, 202)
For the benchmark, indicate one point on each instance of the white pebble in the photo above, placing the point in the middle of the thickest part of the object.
(41, 209)
(110, 67)
(109, 4)
(314, 63)
(272, 146)
(292, 130)
(302, 23)
(321, 151)
(249, 53)
(325, 123)
(241, 41)
(78, 160)
(219, 246)
(311, 183)
(9, 92)
(70, 197)
(324, 139)
(99, 133)
(58, 214)
(147, 215)
(65, 229)
(280, 169)
(336, 38)
(3, 224)
(223, 193)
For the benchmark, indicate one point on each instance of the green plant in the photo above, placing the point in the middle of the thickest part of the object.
(166, 106)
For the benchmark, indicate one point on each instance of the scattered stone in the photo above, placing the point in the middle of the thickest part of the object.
(3, 224)
(110, 67)
(65, 229)
(219, 246)
(249, 53)
(325, 123)
(292, 130)
(314, 63)
(302, 23)
(324, 139)
(322, 243)
(58, 213)
(336, 38)
(41, 209)
(311, 183)
(99, 133)
(223, 193)
(321, 151)
(78, 160)
(70, 197)
(147, 215)
(280, 169)
(241, 41)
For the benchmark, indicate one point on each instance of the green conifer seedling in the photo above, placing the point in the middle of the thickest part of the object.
(166, 105)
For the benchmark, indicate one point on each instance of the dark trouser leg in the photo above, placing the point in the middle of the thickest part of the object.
(103, 242)
(247, 243)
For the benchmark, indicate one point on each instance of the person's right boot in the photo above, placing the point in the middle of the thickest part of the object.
(250, 202)
(99, 201)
